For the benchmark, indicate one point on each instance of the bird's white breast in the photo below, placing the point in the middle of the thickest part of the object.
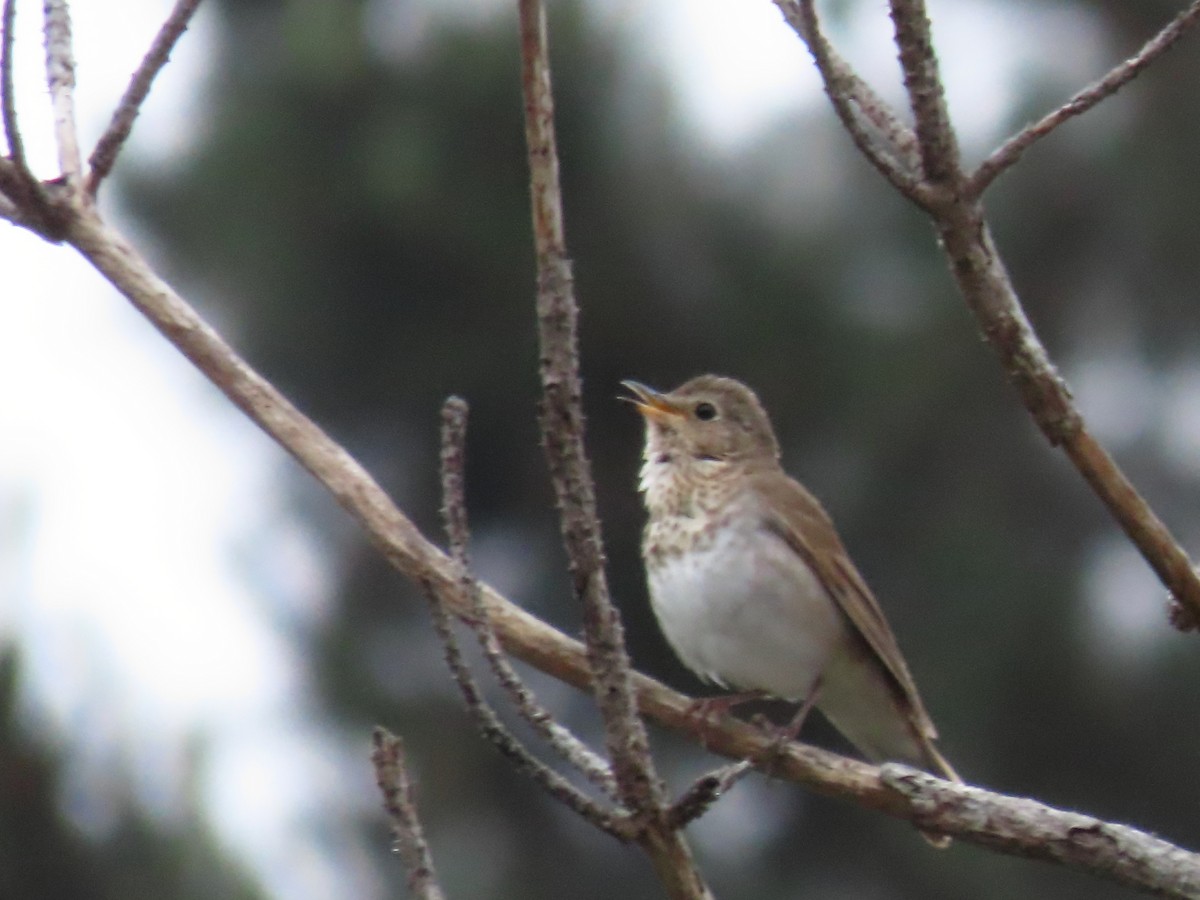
(741, 608)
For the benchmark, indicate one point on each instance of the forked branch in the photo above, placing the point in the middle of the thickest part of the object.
(952, 201)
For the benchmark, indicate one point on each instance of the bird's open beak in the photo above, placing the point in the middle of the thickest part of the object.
(649, 402)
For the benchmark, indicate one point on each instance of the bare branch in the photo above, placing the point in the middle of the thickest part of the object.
(1181, 617)
(988, 291)
(8, 210)
(891, 147)
(935, 135)
(1012, 149)
(104, 155)
(8, 101)
(17, 183)
(705, 791)
(615, 823)
(1033, 829)
(562, 431)
(902, 142)
(454, 509)
(944, 192)
(60, 78)
(534, 641)
(391, 774)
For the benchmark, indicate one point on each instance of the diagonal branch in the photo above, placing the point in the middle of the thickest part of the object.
(105, 153)
(984, 283)
(1012, 149)
(538, 644)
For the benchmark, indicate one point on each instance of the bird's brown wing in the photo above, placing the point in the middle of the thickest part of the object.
(801, 521)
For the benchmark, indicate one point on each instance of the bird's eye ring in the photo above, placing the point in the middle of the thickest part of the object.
(705, 411)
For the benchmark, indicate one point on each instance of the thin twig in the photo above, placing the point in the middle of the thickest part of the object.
(8, 100)
(391, 774)
(935, 135)
(562, 430)
(1012, 149)
(614, 822)
(892, 146)
(105, 153)
(454, 510)
(705, 791)
(561, 419)
(60, 78)
(17, 182)
(545, 648)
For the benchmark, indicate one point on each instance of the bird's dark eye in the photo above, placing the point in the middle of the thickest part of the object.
(705, 412)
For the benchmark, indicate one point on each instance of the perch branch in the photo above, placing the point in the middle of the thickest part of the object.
(547, 649)
(391, 774)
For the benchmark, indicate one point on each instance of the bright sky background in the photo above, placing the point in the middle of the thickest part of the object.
(145, 553)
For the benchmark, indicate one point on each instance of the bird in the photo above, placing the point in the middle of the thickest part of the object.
(750, 583)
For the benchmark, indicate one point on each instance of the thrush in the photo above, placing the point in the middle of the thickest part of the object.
(750, 582)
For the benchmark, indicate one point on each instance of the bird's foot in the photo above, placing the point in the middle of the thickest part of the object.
(788, 733)
(707, 712)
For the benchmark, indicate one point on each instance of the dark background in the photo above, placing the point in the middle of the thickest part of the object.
(359, 220)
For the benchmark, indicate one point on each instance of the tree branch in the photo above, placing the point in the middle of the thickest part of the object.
(988, 291)
(20, 191)
(891, 147)
(8, 100)
(705, 791)
(391, 774)
(543, 647)
(561, 420)
(614, 822)
(1004, 156)
(105, 153)
(935, 135)
(1033, 829)
(969, 814)
(60, 78)
(454, 509)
